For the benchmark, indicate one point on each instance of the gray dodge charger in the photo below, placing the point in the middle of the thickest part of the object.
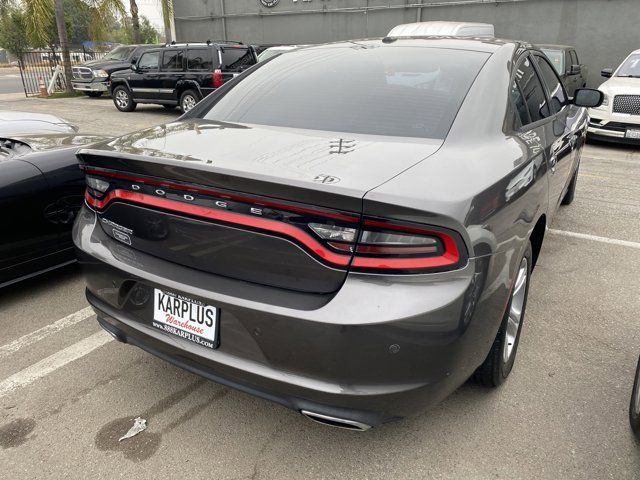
(348, 230)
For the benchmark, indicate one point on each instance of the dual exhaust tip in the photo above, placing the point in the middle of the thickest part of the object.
(335, 421)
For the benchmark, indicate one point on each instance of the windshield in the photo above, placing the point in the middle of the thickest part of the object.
(119, 53)
(557, 59)
(630, 67)
(369, 89)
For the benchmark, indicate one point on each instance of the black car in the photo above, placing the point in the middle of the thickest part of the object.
(41, 190)
(565, 60)
(92, 78)
(180, 74)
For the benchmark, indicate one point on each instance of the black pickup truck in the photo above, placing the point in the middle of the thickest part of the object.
(180, 74)
(565, 60)
(92, 77)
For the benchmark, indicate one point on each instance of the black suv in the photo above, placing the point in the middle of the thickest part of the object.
(180, 74)
(92, 77)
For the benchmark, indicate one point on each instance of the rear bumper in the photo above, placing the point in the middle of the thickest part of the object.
(101, 86)
(376, 350)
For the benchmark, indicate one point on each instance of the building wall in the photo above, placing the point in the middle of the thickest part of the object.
(604, 31)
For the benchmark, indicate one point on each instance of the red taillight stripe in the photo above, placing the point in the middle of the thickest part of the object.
(387, 263)
(394, 250)
(450, 258)
(227, 196)
(224, 216)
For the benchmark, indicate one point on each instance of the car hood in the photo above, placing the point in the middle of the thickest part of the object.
(621, 86)
(42, 143)
(101, 63)
(342, 162)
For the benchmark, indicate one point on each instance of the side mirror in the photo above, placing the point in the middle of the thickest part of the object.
(588, 97)
(134, 67)
(607, 72)
(575, 70)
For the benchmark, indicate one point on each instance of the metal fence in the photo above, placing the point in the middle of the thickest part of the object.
(40, 65)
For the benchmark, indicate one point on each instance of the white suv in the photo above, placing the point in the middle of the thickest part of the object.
(618, 118)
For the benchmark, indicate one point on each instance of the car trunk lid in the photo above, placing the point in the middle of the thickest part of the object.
(242, 201)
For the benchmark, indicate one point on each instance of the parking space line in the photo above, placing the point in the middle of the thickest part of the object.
(595, 238)
(44, 332)
(54, 362)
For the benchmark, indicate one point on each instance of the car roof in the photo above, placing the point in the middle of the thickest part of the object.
(488, 45)
(208, 43)
(457, 29)
(555, 47)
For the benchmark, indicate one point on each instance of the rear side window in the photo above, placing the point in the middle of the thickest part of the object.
(400, 91)
(554, 86)
(519, 106)
(149, 61)
(529, 84)
(172, 60)
(234, 57)
(200, 60)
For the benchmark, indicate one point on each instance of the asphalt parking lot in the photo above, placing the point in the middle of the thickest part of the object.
(10, 81)
(68, 392)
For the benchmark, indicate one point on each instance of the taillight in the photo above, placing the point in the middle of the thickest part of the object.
(338, 239)
(388, 247)
(218, 78)
(96, 187)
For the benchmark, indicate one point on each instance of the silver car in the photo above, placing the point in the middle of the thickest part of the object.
(348, 229)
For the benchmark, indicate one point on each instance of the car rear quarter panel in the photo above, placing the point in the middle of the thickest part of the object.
(485, 182)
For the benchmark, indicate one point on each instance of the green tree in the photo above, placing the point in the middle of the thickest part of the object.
(13, 31)
(39, 13)
(148, 33)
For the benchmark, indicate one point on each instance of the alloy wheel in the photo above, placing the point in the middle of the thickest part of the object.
(122, 99)
(188, 102)
(515, 310)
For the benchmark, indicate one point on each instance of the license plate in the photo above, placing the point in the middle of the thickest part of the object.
(633, 133)
(186, 318)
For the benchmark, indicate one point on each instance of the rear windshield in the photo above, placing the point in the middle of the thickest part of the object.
(235, 57)
(381, 90)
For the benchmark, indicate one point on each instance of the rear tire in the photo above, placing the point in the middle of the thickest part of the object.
(122, 99)
(499, 362)
(571, 191)
(93, 94)
(634, 406)
(188, 100)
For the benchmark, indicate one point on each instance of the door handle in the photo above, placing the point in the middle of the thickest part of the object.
(553, 160)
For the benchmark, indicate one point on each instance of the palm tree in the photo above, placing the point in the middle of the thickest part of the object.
(40, 12)
(167, 15)
(135, 21)
(64, 43)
